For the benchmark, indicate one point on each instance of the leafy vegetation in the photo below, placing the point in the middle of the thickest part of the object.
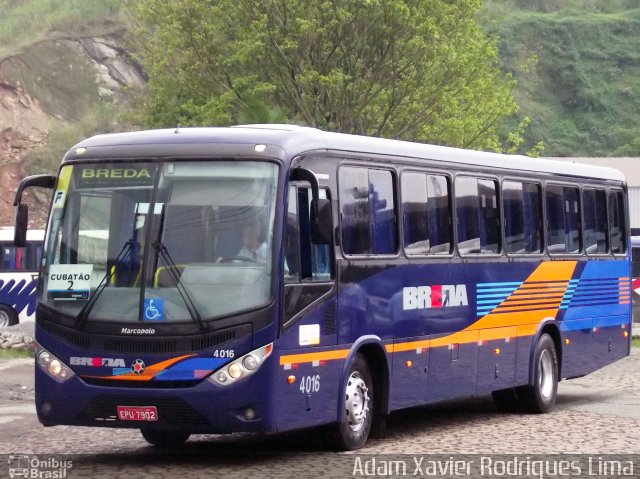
(419, 70)
(46, 159)
(577, 65)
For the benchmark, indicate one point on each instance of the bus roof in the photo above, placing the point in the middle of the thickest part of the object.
(294, 140)
(6, 234)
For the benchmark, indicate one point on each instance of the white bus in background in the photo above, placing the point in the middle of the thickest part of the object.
(635, 276)
(19, 276)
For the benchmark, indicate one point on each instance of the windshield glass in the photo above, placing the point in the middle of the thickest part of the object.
(170, 242)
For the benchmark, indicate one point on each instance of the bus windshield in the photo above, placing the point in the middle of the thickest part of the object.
(171, 242)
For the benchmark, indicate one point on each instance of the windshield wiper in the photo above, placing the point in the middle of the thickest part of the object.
(182, 290)
(83, 315)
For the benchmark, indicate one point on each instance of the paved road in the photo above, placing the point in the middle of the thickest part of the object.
(599, 414)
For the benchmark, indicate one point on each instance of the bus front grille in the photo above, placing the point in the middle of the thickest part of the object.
(132, 345)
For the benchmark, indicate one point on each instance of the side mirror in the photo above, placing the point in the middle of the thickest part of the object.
(321, 221)
(42, 181)
(22, 220)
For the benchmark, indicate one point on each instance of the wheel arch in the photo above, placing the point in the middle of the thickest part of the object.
(11, 311)
(548, 326)
(373, 350)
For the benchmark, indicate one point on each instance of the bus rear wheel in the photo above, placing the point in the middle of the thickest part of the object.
(352, 432)
(541, 396)
(165, 438)
(8, 316)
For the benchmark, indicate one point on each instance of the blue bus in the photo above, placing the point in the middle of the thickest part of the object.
(270, 277)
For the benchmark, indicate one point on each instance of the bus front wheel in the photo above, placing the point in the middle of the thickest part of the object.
(352, 432)
(165, 438)
(541, 396)
(8, 316)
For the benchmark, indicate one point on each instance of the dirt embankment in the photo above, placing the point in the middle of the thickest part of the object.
(50, 84)
(23, 125)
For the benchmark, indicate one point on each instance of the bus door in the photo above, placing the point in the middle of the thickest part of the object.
(309, 312)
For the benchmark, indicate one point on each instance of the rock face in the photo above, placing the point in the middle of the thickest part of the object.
(19, 336)
(54, 83)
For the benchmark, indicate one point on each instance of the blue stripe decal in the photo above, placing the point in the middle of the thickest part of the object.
(575, 324)
(610, 321)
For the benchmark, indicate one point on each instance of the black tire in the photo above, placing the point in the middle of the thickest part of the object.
(352, 432)
(165, 438)
(505, 400)
(8, 316)
(541, 396)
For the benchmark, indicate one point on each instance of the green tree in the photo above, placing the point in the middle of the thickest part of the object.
(420, 70)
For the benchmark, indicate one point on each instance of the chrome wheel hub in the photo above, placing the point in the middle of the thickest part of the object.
(356, 401)
(4, 319)
(545, 374)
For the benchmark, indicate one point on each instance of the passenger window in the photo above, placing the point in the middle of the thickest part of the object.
(426, 214)
(368, 211)
(354, 201)
(594, 203)
(617, 222)
(477, 216)
(303, 260)
(635, 262)
(8, 258)
(522, 217)
(563, 219)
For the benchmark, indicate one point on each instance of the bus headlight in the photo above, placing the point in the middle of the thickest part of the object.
(235, 370)
(51, 365)
(250, 362)
(241, 367)
(44, 358)
(55, 367)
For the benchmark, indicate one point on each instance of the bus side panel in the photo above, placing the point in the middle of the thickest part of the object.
(453, 369)
(307, 391)
(18, 290)
(496, 359)
(576, 347)
(609, 341)
(408, 385)
(598, 300)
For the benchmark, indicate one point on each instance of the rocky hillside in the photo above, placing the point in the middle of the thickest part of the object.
(53, 85)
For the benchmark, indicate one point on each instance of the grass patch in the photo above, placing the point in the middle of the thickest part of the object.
(15, 354)
(635, 342)
(25, 22)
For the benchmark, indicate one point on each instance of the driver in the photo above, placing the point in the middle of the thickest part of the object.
(252, 246)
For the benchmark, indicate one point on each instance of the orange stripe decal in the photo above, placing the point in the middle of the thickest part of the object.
(310, 357)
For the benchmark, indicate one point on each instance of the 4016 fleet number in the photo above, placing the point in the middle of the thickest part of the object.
(310, 384)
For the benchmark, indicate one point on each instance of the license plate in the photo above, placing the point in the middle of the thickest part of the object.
(137, 413)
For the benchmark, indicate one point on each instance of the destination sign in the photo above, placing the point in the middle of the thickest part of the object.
(113, 176)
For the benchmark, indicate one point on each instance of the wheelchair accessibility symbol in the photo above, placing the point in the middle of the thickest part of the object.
(153, 309)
